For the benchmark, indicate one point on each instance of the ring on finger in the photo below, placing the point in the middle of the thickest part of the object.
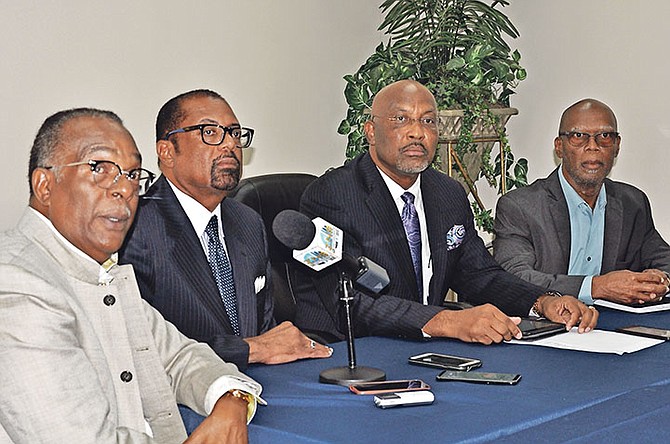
(312, 344)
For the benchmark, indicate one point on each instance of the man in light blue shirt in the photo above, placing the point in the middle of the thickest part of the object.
(577, 231)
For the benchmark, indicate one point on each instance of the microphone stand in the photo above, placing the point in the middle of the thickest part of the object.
(352, 374)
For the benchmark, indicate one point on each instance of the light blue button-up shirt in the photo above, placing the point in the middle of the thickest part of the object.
(587, 236)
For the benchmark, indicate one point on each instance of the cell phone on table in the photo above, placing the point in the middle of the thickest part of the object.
(479, 377)
(647, 332)
(445, 361)
(377, 387)
(533, 328)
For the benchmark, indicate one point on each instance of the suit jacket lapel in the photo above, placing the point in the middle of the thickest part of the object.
(613, 227)
(239, 260)
(383, 208)
(560, 217)
(439, 219)
(186, 251)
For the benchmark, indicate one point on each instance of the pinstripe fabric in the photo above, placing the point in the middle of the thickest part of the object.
(355, 198)
(175, 277)
(533, 234)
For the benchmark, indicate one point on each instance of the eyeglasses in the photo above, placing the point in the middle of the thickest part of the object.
(430, 123)
(214, 134)
(106, 174)
(580, 140)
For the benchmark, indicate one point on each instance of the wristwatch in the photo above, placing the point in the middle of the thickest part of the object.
(248, 398)
(536, 310)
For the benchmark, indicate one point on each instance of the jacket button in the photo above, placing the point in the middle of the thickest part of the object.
(126, 376)
(109, 300)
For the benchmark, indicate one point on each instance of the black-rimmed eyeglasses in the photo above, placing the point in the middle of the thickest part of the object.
(214, 134)
(107, 173)
(580, 140)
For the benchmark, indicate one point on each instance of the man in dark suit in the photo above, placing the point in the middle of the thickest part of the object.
(577, 231)
(365, 198)
(199, 145)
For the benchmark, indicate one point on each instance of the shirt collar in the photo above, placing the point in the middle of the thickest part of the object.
(397, 191)
(573, 199)
(195, 211)
(104, 269)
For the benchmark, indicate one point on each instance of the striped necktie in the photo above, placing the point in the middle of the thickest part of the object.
(223, 273)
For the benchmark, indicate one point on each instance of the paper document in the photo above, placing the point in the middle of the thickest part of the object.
(649, 307)
(597, 341)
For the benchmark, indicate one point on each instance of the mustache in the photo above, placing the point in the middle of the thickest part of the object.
(229, 155)
(414, 145)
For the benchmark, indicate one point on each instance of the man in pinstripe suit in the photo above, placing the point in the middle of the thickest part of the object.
(365, 199)
(199, 145)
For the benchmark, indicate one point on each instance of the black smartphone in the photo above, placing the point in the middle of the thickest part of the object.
(647, 332)
(445, 361)
(479, 377)
(373, 388)
(532, 328)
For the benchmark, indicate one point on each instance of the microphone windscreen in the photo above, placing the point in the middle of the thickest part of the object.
(293, 229)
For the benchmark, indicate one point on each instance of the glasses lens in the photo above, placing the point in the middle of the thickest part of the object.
(212, 134)
(243, 136)
(605, 140)
(578, 140)
(105, 173)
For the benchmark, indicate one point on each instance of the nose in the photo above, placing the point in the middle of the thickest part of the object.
(591, 144)
(415, 129)
(123, 187)
(228, 142)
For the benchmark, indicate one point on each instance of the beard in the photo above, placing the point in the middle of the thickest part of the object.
(413, 165)
(225, 179)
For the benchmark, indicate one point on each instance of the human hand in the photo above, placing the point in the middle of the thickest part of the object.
(226, 424)
(284, 343)
(485, 324)
(628, 287)
(569, 310)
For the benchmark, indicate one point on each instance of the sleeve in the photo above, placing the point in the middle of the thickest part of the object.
(654, 252)
(514, 249)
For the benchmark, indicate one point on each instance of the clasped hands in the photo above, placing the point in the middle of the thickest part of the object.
(629, 287)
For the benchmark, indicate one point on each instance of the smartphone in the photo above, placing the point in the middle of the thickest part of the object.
(539, 328)
(373, 388)
(648, 332)
(479, 377)
(445, 361)
(388, 400)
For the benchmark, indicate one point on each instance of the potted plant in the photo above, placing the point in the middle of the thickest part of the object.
(457, 49)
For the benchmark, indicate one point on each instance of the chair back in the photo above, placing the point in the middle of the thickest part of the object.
(269, 195)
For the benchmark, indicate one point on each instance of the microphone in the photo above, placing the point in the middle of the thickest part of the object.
(318, 244)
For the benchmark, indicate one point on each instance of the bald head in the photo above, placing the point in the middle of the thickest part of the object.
(585, 106)
(400, 91)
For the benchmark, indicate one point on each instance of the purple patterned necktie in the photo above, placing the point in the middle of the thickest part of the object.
(410, 220)
(223, 273)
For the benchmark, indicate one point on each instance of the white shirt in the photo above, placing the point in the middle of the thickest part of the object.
(396, 192)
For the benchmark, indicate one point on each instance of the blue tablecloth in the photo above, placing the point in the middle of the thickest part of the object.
(563, 395)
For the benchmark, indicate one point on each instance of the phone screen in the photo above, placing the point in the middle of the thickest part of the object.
(481, 377)
(389, 386)
(445, 361)
(651, 332)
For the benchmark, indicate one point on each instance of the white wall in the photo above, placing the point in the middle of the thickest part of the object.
(279, 63)
(286, 79)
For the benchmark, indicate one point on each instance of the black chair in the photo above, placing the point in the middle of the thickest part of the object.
(270, 194)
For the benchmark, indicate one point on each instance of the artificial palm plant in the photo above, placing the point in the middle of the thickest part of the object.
(457, 48)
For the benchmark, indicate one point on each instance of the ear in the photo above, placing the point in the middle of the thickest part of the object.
(618, 146)
(165, 152)
(369, 129)
(42, 180)
(558, 147)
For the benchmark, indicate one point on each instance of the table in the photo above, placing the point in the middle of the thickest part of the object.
(563, 395)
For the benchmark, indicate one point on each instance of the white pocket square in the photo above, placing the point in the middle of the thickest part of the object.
(259, 283)
(455, 236)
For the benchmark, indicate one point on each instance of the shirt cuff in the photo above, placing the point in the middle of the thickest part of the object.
(585, 291)
(227, 383)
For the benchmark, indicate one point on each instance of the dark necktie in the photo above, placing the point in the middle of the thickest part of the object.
(410, 220)
(223, 273)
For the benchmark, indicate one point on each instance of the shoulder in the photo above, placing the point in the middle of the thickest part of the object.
(537, 193)
(624, 190)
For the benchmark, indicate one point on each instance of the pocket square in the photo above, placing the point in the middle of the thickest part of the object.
(455, 236)
(259, 283)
